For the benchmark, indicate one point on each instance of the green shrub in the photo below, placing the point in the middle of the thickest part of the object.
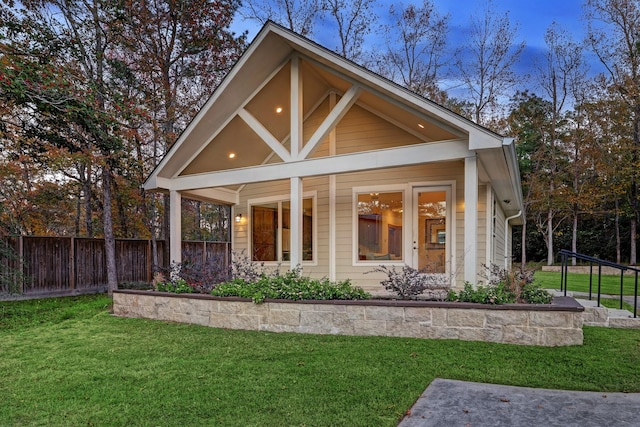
(500, 293)
(291, 286)
(179, 286)
(492, 294)
(533, 293)
(408, 282)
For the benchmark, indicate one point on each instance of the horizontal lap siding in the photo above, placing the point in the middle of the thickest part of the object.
(499, 241)
(281, 190)
(359, 131)
(435, 172)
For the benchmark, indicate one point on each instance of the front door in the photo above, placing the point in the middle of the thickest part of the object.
(431, 230)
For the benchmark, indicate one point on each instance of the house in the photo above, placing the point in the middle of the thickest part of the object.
(329, 166)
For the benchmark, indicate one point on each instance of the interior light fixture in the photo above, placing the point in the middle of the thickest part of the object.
(420, 125)
(238, 217)
(278, 110)
(232, 155)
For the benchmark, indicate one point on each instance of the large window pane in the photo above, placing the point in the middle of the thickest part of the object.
(380, 226)
(266, 231)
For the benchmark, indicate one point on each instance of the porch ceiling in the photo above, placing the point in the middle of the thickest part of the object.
(237, 145)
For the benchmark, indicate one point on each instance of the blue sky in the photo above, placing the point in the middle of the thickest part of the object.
(531, 17)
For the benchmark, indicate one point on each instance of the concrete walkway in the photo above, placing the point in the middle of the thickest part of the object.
(450, 403)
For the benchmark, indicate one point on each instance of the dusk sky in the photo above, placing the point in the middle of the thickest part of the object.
(531, 17)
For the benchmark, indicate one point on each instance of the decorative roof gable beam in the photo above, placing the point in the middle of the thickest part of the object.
(399, 91)
(344, 163)
(296, 91)
(331, 121)
(265, 135)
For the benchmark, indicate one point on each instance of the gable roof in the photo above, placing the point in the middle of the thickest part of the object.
(268, 55)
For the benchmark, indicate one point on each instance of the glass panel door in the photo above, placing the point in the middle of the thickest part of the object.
(430, 229)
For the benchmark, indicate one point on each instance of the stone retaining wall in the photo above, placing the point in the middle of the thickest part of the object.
(557, 324)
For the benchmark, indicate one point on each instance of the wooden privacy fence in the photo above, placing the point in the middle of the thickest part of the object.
(61, 265)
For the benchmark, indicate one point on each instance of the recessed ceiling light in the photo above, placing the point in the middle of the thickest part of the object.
(278, 110)
(232, 155)
(420, 125)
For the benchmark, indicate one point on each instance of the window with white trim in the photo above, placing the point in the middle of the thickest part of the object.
(270, 230)
(379, 226)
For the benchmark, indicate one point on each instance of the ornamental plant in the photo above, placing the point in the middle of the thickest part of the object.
(291, 285)
(408, 282)
(504, 287)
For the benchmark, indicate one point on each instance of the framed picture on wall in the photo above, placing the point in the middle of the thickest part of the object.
(435, 232)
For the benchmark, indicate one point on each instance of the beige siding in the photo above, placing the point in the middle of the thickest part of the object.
(361, 130)
(432, 173)
(482, 230)
(499, 240)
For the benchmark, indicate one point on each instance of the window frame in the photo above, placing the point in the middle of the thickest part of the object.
(385, 188)
(279, 200)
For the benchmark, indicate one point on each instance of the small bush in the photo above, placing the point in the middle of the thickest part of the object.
(532, 293)
(179, 286)
(492, 294)
(138, 286)
(242, 267)
(408, 282)
(292, 286)
(504, 287)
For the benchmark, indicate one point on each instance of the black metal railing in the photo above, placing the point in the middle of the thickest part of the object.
(566, 255)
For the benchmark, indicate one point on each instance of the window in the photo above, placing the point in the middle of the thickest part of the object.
(380, 217)
(270, 230)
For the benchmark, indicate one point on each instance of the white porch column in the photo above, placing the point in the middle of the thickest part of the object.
(332, 199)
(470, 219)
(175, 226)
(295, 216)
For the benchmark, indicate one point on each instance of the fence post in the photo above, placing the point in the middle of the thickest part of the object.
(72, 263)
(21, 264)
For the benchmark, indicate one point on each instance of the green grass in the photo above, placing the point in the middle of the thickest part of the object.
(580, 282)
(615, 303)
(68, 362)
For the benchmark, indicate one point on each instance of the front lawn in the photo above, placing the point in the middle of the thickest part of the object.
(580, 282)
(69, 362)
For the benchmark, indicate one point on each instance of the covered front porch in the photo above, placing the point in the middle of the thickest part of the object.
(330, 167)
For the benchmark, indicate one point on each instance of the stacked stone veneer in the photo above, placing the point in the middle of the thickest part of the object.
(558, 324)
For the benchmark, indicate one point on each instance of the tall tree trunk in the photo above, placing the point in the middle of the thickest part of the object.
(634, 235)
(550, 237)
(109, 239)
(574, 234)
(618, 242)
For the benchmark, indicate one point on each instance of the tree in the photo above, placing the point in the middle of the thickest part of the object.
(529, 123)
(416, 42)
(614, 35)
(560, 76)
(178, 51)
(484, 63)
(353, 19)
(60, 77)
(298, 16)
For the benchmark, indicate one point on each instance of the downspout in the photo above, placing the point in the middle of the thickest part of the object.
(506, 230)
